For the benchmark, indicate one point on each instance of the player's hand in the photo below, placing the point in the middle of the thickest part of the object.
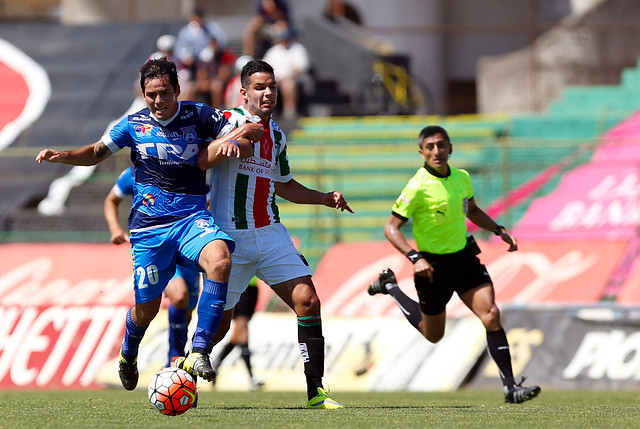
(337, 201)
(228, 149)
(119, 237)
(253, 131)
(49, 155)
(510, 240)
(423, 268)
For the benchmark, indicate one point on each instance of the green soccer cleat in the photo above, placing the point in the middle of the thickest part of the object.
(128, 372)
(518, 393)
(197, 364)
(323, 401)
(380, 284)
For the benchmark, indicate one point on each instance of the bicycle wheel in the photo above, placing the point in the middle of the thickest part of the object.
(370, 97)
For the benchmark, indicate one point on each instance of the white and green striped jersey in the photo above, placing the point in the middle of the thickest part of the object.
(242, 192)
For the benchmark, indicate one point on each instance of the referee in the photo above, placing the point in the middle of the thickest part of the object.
(438, 199)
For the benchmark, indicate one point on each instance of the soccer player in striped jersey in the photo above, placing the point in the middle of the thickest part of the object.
(169, 220)
(439, 199)
(243, 202)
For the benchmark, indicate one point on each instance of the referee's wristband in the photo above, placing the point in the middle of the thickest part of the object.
(413, 256)
(498, 229)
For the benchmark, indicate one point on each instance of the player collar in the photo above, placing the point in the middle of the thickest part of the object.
(253, 118)
(435, 173)
(168, 121)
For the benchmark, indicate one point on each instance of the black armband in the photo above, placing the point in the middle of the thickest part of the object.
(413, 256)
(498, 229)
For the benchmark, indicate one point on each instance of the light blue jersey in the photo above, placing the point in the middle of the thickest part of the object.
(169, 185)
(169, 221)
(124, 184)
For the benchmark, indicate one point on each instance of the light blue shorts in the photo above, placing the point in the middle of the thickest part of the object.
(156, 252)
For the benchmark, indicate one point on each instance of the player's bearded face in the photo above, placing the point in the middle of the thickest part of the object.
(261, 95)
(161, 97)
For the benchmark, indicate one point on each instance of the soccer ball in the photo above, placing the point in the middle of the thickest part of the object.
(172, 391)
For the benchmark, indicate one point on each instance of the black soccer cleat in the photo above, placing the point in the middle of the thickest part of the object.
(128, 372)
(197, 364)
(519, 393)
(379, 285)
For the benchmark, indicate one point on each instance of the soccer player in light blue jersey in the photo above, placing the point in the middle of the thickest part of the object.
(169, 221)
(183, 289)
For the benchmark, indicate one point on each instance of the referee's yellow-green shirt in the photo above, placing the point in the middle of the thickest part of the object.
(438, 207)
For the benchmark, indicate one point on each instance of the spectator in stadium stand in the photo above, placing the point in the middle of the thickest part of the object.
(242, 314)
(338, 9)
(290, 62)
(165, 45)
(169, 206)
(191, 40)
(269, 17)
(214, 69)
(184, 287)
(439, 198)
(243, 196)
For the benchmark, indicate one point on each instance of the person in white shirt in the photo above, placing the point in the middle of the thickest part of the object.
(290, 62)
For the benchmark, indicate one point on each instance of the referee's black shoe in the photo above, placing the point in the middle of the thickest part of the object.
(519, 393)
(380, 284)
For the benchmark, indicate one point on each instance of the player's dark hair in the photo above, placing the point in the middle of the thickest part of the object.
(158, 68)
(432, 130)
(252, 67)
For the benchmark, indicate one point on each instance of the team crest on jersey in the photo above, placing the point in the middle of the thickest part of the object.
(402, 198)
(189, 134)
(142, 130)
(148, 199)
(202, 223)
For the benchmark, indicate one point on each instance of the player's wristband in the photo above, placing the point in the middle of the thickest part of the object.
(233, 141)
(498, 229)
(413, 256)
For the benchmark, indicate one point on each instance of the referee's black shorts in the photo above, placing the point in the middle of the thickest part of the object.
(452, 272)
(246, 306)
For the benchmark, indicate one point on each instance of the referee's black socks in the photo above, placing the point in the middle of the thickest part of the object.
(409, 307)
(498, 349)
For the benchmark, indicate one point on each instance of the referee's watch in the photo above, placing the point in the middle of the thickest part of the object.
(498, 229)
(413, 256)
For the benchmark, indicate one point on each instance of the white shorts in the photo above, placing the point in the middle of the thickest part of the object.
(267, 253)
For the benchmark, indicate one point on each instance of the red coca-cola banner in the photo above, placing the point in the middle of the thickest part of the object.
(62, 309)
(62, 306)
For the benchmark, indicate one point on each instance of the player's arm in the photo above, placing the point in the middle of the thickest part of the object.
(111, 203)
(237, 144)
(484, 221)
(300, 194)
(86, 155)
(397, 239)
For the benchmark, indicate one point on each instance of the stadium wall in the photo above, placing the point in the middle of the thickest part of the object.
(588, 48)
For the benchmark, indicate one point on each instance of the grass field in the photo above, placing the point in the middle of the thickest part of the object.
(116, 408)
